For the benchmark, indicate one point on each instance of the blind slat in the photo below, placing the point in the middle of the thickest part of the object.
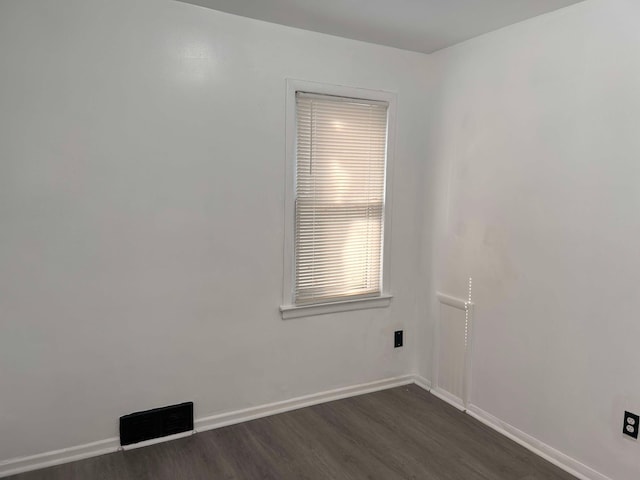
(340, 183)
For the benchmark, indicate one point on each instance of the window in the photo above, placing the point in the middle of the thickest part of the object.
(339, 197)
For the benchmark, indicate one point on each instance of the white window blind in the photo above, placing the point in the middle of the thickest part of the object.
(341, 155)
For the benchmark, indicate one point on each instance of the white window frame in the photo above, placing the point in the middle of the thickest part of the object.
(288, 308)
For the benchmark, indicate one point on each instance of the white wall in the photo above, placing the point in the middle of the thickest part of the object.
(130, 207)
(535, 146)
(141, 216)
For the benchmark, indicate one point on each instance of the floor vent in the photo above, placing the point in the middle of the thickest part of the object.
(159, 422)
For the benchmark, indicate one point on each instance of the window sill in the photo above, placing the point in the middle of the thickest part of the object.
(296, 311)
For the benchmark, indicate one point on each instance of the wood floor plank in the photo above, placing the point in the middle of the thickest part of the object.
(403, 433)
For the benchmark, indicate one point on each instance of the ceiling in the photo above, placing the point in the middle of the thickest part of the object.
(419, 25)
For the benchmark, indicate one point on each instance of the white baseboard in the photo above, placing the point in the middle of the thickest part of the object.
(422, 382)
(48, 459)
(56, 457)
(448, 397)
(239, 416)
(153, 441)
(559, 459)
(438, 392)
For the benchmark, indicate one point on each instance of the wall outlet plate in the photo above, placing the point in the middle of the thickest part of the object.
(397, 339)
(631, 424)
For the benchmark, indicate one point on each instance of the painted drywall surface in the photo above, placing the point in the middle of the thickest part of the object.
(535, 147)
(141, 216)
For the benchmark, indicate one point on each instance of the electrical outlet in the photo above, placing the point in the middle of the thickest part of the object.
(630, 427)
(397, 339)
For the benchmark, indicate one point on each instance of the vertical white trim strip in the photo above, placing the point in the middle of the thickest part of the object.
(468, 307)
(468, 356)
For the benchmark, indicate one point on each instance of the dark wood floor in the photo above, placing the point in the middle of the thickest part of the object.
(402, 433)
